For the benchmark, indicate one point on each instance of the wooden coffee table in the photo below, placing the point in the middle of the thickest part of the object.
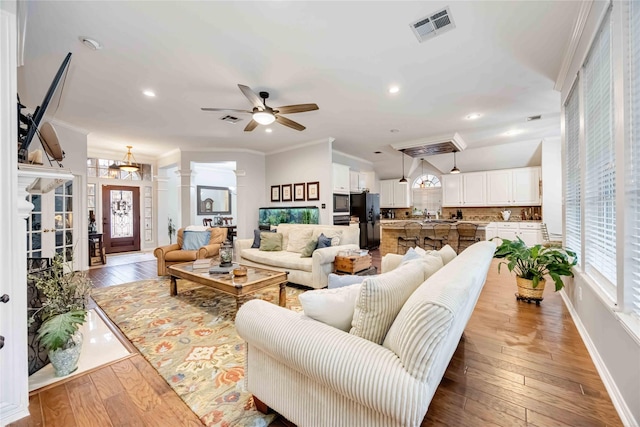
(239, 287)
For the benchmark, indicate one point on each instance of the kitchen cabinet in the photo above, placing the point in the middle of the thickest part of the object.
(394, 194)
(491, 231)
(340, 178)
(529, 232)
(464, 189)
(514, 187)
(359, 181)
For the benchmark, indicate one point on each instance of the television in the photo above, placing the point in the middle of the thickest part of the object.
(28, 124)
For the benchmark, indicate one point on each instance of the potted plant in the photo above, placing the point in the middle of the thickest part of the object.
(64, 309)
(532, 264)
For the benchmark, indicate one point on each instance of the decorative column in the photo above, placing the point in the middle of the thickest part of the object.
(187, 198)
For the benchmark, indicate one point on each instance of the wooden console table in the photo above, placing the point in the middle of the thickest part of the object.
(96, 249)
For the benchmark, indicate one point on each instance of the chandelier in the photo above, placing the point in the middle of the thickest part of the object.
(129, 162)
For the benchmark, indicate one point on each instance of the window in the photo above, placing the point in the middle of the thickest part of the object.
(632, 176)
(600, 167)
(99, 168)
(572, 172)
(427, 180)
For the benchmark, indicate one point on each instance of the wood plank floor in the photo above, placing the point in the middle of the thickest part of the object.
(518, 364)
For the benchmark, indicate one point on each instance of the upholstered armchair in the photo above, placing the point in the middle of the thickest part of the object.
(177, 253)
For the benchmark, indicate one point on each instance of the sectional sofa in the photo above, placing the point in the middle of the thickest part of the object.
(315, 374)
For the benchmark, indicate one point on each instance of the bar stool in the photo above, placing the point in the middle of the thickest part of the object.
(442, 234)
(411, 237)
(430, 238)
(466, 235)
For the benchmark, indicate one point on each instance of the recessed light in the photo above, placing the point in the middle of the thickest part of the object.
(90, 43)
(394, 89)
(149, 93)
(513, 132)
(473, 116)
(394, 130)
(268, 130)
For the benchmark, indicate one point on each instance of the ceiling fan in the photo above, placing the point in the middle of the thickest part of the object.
(262, 114)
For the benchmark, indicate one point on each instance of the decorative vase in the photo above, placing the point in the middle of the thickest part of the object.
(526, 289)
(65, 359)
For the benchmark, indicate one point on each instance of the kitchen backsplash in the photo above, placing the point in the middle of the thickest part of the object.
(518, 213)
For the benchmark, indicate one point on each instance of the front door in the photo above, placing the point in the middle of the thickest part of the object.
(120, 218)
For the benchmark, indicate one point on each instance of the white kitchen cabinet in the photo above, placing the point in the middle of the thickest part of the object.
(514, 187)
(491, 231)
(358, 181)
(394, 194)
(508, 230)
(340, 178)
(452, 190)
(529, 232)
(474, 189)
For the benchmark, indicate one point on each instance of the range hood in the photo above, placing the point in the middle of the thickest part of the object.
(432, 146)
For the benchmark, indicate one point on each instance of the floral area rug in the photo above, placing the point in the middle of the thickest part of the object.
(191, 340)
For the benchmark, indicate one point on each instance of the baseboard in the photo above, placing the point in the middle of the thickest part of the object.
(626, 416)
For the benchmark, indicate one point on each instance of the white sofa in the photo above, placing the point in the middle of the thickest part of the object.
(313, 271)
(317, 375)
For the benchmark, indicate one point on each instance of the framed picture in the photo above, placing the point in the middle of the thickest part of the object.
(286, 193)
(298, 192)
(275, 193)
(313, 190)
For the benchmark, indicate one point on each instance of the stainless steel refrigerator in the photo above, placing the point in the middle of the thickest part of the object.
(366, 207)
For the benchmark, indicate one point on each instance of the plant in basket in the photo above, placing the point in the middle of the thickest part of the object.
(64, 309)
(532, 264)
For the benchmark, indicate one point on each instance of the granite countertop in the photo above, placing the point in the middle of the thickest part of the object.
(399, 224)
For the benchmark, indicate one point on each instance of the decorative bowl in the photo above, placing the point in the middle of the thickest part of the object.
(240, 271)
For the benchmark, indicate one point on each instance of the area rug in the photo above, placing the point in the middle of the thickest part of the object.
(191, 340)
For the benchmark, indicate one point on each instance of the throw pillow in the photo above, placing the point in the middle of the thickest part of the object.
(447, 254)
(381, 298)
(194, 240)
(307, 252)
(411, 254)
(323, 241)
(298, 239)
(270, 241)
(333, 307)
(256, 237)
(342, 280)
(334, 235)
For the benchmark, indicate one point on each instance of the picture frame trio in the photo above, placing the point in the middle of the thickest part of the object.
(298, 192)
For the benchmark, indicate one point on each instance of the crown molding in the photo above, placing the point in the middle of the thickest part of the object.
(576, 35)
(359, 159)
(307, 144)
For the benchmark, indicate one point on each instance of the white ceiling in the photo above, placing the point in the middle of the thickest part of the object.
(501, 60)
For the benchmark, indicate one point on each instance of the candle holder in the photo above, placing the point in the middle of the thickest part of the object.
(226, 254)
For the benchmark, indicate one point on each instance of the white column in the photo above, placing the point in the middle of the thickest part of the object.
(162, 212)
(187, 195)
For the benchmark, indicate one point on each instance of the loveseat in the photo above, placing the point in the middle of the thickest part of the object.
(175, 253)
(315, 374)
(312, 271)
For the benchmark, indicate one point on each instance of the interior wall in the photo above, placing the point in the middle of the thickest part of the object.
(552, 185)
(309, 163)
(210, 175)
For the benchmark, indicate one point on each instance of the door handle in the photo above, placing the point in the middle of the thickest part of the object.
(4, 298)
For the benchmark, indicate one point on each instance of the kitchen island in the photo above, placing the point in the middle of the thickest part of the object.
(390, 230)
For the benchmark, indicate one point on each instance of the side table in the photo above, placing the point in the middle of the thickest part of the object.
(96, 249)
(352, 264)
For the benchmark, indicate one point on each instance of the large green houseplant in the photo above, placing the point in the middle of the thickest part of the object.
(64, 309)
(532, 264)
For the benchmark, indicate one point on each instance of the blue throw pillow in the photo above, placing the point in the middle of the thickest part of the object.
(256, 237)
(409, 255)
(323, 241)
(194, 240)
(339, 281)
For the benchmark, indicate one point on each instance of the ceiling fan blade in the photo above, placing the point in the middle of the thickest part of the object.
(289, 123)
(251, 96)
(225, 109)
(298, 108)
(251, 126)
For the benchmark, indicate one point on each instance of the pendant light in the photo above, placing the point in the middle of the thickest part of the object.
(455, 168)
(422, 172)
(130, 164)
(403, 179)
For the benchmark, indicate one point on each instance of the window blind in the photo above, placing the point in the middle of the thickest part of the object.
(600, 190)
(572, 171)
(632, 180)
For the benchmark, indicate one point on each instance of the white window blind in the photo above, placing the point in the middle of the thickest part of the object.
(572, 171)
(632, 195)
(600, 191)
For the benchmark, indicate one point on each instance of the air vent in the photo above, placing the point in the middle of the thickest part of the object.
(230, 119)
(532, 118)
(433, 25)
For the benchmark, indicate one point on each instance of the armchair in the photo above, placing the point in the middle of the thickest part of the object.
(174, 254)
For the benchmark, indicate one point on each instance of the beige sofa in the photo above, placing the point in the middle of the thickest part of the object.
(317, 375)
(313, 271)
(174, 254)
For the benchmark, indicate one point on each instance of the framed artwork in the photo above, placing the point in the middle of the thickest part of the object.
(313, 190)
(275, 193)
(286, 193)
(298, 192)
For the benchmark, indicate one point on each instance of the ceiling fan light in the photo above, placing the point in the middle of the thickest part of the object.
(264, 118)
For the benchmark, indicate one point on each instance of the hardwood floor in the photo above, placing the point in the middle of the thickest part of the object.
(518, 364)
